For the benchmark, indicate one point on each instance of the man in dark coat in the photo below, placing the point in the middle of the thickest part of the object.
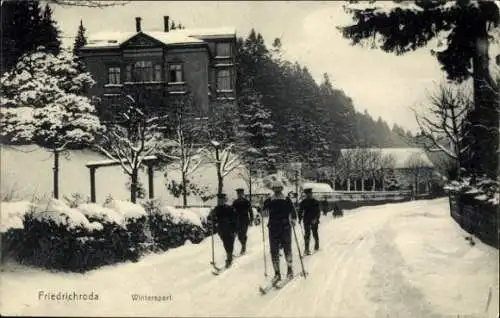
(244, 217)
(224, 217)
(282, 217)
(309, 212)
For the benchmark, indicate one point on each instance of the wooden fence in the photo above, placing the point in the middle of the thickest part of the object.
(476, 217)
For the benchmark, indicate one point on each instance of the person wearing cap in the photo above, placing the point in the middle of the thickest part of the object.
(309, 212)
(244, 217)
(282, 217)
(224, 217)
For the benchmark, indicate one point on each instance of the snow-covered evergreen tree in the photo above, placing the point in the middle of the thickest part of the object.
(49, 33)
(42, 103)
(19, 32)
(256, 132)
(80, 40)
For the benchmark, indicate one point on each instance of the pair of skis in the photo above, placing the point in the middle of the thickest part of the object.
(264, 289)
(216, 270)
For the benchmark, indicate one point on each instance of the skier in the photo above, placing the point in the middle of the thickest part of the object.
(225, 218)
(280, 209)
(244, 214)
(310, 212)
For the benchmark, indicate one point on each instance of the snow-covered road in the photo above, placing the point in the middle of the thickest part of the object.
(398, 260)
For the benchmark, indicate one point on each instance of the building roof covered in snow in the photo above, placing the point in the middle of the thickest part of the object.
(109, 40)
(317, 187)
(403, 157)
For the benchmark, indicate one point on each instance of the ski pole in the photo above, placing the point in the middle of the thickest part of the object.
(213, 249)
(263, 243)
(298, 250)
(301, 229)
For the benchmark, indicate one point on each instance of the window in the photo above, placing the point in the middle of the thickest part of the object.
(175, 73)
(114, 75)
(143, 71)
(158, 73)
(129, 73)
(224, 80)
(223, 49)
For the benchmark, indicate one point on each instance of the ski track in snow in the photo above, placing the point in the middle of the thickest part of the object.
(397, 260)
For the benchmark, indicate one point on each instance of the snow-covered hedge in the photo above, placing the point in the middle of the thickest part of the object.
(12, 215)
(172, 227)
(58, 213)
(12, 229)
(96, 212)
(51, 234)
(135, 218)
(484, 190)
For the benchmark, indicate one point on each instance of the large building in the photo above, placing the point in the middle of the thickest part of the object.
(159, 67)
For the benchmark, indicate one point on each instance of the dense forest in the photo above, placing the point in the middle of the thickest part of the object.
(306, 121)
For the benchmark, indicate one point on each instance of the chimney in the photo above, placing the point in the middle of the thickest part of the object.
(138, 24)
(165, 23)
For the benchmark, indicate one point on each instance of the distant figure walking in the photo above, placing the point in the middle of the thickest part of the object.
(310, 213)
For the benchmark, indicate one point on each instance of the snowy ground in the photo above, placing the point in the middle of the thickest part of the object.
(398, 260)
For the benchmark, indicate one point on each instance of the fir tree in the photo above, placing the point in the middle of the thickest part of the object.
(257, 132)
(80, 39)
(19, 32)
(49, 33)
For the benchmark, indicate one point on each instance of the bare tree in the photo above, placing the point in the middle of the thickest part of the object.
(419, 170)
(131, 143)
(344, 166)
(443, 126)
(223, 151)
(362, 160)
(373, 164)
(226, 160)
(185, 149)
(387, 165)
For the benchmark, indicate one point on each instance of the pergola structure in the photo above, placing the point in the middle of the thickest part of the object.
(149, 161)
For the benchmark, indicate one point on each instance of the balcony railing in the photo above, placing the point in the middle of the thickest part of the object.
(174, 88)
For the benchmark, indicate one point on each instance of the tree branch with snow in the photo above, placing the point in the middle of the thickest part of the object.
(129, 144)
(442, 127)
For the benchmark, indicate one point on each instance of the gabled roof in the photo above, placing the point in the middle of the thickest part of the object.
(401, 155)
(173, 37)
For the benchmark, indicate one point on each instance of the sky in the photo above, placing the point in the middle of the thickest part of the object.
(384, 84)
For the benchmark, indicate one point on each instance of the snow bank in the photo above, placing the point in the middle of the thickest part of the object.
(96, 211)
(61, 214)
(12, 214)
(318, 187)
(127, 209)
(201, 212)
(181, 215)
